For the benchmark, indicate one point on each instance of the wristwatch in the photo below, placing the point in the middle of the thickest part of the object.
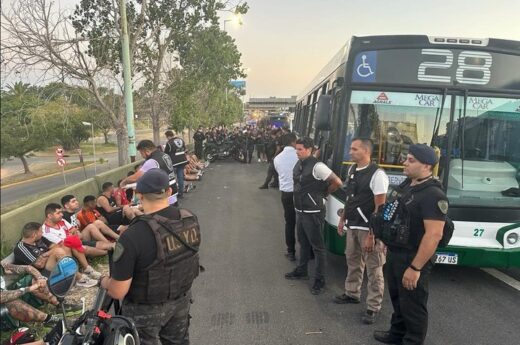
(415, 268)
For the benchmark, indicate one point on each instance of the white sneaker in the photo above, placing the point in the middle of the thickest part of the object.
(259, 160)
(86, 282)
(92, 273)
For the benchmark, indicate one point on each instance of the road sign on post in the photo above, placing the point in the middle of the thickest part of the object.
(61, 162)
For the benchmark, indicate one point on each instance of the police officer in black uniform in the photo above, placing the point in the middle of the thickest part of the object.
(176, 149)
(313, 181)
(199, 137)
(422, 213)
(154, 264)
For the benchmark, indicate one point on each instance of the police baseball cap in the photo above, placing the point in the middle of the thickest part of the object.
(153, 181)
(423, 153)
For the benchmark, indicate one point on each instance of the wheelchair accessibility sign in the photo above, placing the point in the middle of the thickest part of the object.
(365, 67)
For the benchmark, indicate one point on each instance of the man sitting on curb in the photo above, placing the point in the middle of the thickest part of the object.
(32, 250)
(97, 230)
(58, 231)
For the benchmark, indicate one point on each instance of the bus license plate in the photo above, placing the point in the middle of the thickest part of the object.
(447, 258)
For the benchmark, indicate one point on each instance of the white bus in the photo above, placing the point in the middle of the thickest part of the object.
(460, 95)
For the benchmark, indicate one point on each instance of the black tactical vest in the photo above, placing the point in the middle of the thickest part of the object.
(165, 163)
(359, 204)
(308, 191)
(177, 263)
(177, 151)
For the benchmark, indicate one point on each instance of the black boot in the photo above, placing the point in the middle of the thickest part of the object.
(387, 337)
(297, 275)
(318, 286)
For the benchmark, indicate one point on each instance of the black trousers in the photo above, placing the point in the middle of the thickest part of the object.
(198, 150)
(290, 221)
(271, 173)
(249, 153)
(410, 316)
(309, 227)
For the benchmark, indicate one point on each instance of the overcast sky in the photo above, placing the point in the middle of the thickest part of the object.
(285, 43)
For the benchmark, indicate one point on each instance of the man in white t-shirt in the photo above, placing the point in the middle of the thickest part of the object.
(284, 164)
(366, 188)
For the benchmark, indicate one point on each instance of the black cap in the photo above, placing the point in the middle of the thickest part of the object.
(423, 153)
(153, 181)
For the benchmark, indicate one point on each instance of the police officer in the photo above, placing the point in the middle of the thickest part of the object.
(313, 181)
(408, 265)
(366, 188)
(176, 149)
(154, 264)
(199, 137)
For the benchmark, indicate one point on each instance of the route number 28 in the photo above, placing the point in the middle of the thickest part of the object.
(482, 69)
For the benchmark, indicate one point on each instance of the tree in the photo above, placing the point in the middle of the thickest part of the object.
(19, 134)
(38, 35)
(161, 33)
(202, 94)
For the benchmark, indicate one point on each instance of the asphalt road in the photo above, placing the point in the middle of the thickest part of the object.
(243, 298)
(11, 194)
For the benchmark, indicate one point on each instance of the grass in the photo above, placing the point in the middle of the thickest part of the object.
(39, 170)
(86, 149)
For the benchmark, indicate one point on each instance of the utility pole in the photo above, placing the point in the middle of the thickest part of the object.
(127, 75)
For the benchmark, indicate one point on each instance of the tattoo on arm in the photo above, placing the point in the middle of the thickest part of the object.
(9, 296)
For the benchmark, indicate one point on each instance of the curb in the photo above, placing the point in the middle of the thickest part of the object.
(42, 177)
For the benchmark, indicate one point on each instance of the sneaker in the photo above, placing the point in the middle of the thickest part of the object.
(369, 317)
(297, 275)
(344, 299)
(318, 286)
(206, 164)
(54, 319)
(86, 282)
(259, 160)
(263, 187)
(92, 273)
(290, 256)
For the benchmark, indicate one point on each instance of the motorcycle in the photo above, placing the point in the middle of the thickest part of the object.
(95, 326)
(224, 150)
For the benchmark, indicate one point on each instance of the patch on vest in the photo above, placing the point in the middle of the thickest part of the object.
(118, 252)
(189, 236)
(443, 206)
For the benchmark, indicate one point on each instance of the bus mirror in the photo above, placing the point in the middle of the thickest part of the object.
(323, 113)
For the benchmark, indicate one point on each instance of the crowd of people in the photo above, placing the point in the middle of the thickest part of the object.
(87, 230)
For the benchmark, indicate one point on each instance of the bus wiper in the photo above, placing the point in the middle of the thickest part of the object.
(463, 135)
(438, 118)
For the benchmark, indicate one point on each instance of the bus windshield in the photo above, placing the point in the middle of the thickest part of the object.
(394, 121)
(484, 167)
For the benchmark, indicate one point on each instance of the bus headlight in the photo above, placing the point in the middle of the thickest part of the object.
(512, 238)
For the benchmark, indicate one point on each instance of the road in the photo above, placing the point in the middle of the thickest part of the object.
(243, 298)
(11, 194)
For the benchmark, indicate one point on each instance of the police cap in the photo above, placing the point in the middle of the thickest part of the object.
(153, 181)
(423, 153)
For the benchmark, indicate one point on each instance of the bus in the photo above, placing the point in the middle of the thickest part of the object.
(459, 95)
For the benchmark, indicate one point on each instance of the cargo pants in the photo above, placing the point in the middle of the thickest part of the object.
(163, 323)
(357, 261)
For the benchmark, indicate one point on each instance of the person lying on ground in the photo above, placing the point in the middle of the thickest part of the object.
(33, 250)
(57, 231)
(90, 215)
(92, 232)
(106, 205)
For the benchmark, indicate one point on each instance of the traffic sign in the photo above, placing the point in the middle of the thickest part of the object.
(61, 162)
(59, 152)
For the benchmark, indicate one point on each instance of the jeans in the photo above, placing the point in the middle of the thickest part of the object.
(309, 227)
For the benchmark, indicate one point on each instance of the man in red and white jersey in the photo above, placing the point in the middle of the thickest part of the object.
(57, 231)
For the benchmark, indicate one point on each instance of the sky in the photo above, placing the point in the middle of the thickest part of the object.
(285, 43)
